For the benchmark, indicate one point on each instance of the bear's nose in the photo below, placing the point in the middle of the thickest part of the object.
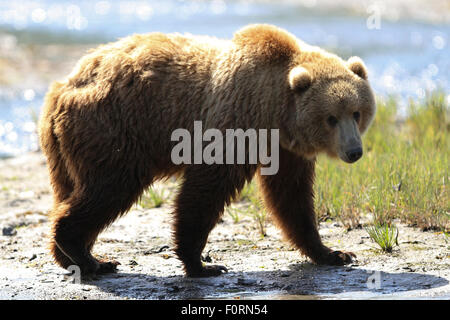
(354, 154)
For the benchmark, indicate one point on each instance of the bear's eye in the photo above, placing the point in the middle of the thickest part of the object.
(356, 116)
(332, 121)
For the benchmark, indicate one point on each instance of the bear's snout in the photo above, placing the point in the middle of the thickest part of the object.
(354, 154)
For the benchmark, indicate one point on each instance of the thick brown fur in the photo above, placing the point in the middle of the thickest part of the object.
(106, 133)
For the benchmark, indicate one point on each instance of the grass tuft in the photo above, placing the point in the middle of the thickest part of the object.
(153, 198)
(253, 207)
(386, 236)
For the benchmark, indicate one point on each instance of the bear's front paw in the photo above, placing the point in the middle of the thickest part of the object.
(207, 271)
(107, 266)
(336, 258)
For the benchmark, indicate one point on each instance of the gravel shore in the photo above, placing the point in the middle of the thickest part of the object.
(265, 268)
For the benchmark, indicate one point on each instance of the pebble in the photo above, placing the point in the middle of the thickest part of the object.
(132, 263)
(157, 250)
(206, 258)
(9, 231)
(409, 269)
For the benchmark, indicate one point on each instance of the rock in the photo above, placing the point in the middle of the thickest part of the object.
(206, 258)
(409, 269)
(9, 231)
(158, 249)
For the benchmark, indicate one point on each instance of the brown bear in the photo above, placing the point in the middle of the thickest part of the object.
(106, 133)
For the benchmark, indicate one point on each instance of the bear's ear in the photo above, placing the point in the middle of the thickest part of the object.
(356, 65)
(299, 79)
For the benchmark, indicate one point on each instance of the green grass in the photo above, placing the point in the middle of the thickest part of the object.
(384, 235)
(153, 198)
(404, 173)
(253, 207)
(234, 213)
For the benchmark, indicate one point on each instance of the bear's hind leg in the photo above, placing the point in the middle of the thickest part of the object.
(62, 187)
(199, 204)
(78, 221)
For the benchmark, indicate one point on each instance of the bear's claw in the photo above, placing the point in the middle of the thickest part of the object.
(208, 271)
(337, 258)
(107, 267)
(101, 267)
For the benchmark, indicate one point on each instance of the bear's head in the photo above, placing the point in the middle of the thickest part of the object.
(328, 103)
(331, 105)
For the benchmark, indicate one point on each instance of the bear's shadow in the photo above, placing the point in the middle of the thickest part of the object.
(300, 281)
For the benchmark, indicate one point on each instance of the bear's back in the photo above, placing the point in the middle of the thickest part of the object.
(144, 54)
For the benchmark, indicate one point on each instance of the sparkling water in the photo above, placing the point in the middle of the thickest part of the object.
(406, 51)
